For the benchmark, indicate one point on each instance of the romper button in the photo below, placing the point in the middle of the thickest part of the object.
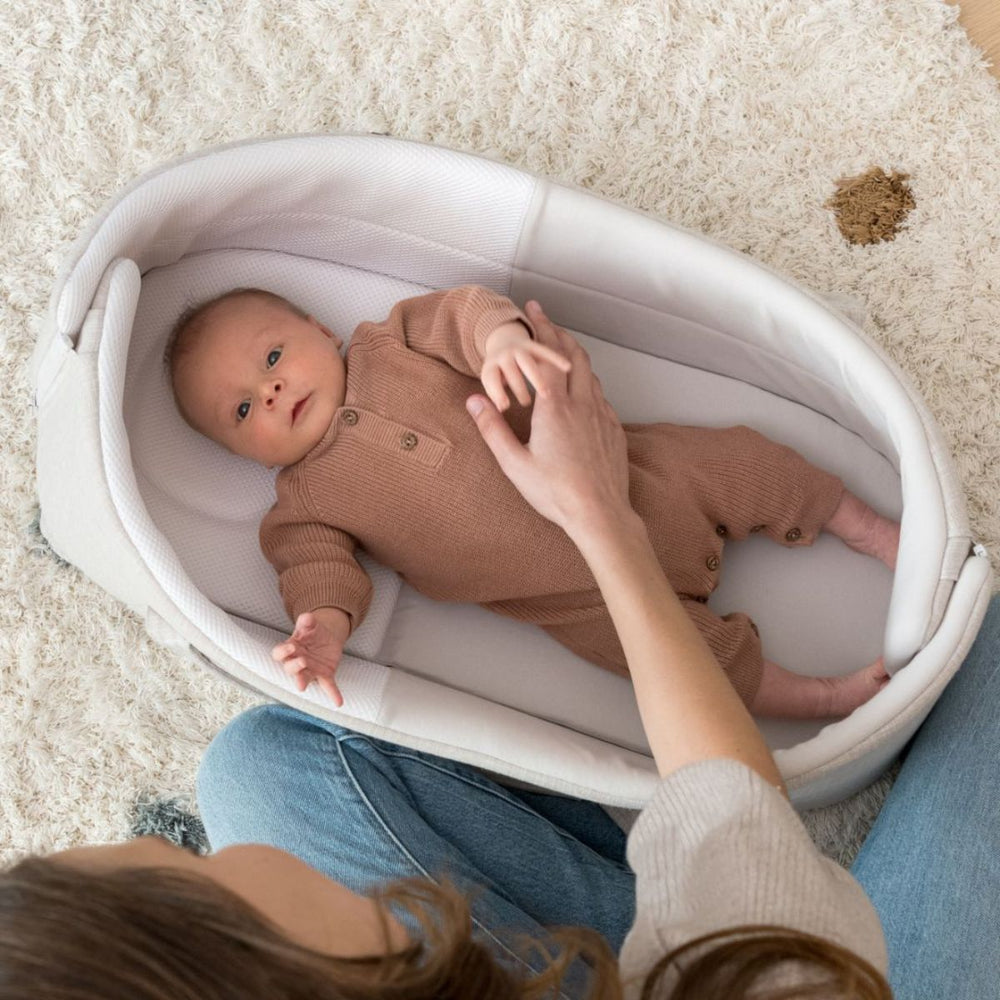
(756, 528)
(721, 530)
(350, 417)
(712, 562)
(793, 535)
(408, 441)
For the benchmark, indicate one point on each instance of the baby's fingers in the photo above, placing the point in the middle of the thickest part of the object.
(328, 685)
(492, 380)
(512, 373)
(284, 650)
(297, 669)
(305, 626)
(304, 675)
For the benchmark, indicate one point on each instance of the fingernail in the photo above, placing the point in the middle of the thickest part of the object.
(474, 404)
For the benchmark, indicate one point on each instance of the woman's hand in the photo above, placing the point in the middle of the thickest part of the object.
(574, 468)
(574, 471)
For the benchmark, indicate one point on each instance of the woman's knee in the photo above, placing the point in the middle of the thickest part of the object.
(251, 752)
(241, 738)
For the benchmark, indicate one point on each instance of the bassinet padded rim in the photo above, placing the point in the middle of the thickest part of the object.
(589, 284)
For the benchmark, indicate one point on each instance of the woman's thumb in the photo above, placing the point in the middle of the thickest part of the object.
(495, 430)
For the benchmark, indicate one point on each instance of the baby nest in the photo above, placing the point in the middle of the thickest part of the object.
(679, 328)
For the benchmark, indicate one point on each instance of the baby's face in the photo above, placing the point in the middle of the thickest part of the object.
(262, 381)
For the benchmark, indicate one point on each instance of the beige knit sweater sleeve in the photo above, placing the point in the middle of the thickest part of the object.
(450, 325)
(717, 847)
(315, 561)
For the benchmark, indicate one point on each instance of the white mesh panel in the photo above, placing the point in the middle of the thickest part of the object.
(404, 209)
(360, 682)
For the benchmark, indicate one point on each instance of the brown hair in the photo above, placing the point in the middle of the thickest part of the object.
(192, 322)
(730, 965)
(163, 934)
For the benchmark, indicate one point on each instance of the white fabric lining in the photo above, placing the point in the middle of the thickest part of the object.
(211, 516)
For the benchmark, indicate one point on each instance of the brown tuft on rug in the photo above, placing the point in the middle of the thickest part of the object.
(871, 207)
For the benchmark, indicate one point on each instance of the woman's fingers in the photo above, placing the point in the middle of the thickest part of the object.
(545, 377)
(580, 380)
(496, 432)
(543, 353)
(563, 344)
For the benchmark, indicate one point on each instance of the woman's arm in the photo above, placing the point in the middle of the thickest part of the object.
(574, 471)
(689, 709)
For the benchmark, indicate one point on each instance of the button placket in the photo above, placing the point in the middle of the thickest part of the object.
(381, 432)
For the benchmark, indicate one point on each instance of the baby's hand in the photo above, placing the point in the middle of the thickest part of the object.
(313, 651)
(510, 356)
(574, 468)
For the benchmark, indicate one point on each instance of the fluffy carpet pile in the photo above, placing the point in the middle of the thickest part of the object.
(732, 117)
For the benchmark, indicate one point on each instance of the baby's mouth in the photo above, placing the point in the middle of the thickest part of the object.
(297, 408)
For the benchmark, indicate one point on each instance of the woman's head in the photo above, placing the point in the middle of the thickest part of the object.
(146, 921)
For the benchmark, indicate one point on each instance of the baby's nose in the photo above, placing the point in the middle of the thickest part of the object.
(272, 390)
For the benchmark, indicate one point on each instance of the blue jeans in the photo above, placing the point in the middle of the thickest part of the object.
(931, 862)
(364, 811)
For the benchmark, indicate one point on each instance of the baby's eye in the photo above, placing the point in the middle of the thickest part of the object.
(242, 410)
(272, 358)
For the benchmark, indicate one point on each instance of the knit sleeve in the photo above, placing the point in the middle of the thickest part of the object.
(735, 642)
(314, 561)
(452, 325)
(753, 484)
(718, 847)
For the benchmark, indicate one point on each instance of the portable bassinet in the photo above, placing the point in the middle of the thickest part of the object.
(679, 328)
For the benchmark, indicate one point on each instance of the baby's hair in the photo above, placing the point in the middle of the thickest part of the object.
(191, 324)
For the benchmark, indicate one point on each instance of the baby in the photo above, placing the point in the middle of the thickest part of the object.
(377, 449)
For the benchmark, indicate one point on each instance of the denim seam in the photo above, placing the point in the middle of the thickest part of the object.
(406, 853)
(482, 786)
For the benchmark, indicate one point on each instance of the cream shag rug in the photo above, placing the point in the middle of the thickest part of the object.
(732, 117)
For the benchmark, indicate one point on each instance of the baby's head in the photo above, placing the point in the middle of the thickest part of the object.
(256, 374)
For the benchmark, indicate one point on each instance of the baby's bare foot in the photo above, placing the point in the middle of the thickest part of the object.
(783, 694)
(865, 530)
(852, 690)
(885, 541)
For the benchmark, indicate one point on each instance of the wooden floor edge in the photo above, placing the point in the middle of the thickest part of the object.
(981, 20)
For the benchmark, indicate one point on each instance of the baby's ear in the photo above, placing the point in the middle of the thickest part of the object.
(319, 326)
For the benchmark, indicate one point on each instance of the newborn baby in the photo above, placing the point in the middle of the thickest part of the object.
(376, 449)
